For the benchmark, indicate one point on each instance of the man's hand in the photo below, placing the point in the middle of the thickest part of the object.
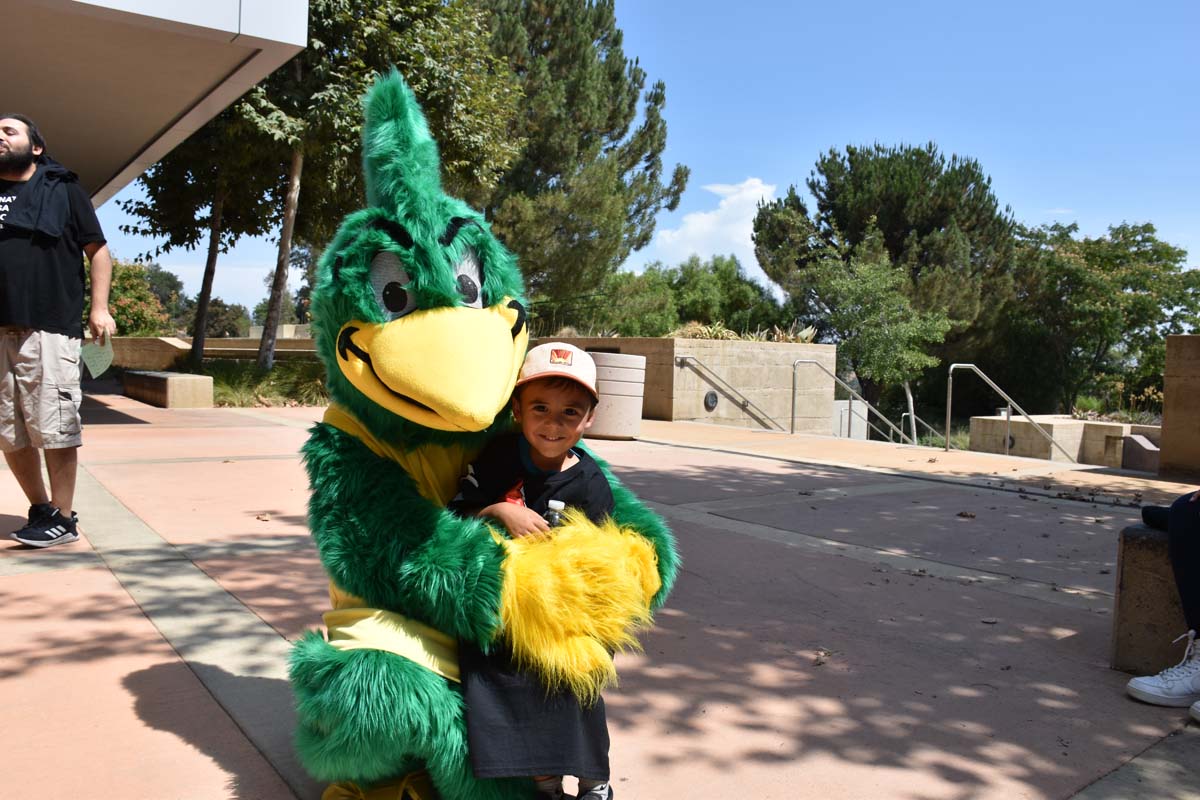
(100, 321)
(101, 325)
(519, 520)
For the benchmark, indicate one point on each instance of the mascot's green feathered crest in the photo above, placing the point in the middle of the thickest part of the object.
(411, 293)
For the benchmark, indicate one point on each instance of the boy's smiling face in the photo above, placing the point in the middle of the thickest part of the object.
(553, 414)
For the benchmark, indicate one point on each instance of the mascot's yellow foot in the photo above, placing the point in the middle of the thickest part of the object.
(413, 786)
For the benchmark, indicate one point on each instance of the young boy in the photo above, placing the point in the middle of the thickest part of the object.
(514, 726)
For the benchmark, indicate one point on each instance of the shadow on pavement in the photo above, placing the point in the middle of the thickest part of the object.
(785, 656)
(161, 704)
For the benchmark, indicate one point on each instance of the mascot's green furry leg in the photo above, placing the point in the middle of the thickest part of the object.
(372, 717)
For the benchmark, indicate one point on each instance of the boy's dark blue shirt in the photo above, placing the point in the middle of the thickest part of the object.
(504, 468)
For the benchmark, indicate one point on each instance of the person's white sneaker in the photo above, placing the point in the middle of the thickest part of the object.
(1195, 711)
(1177, 686)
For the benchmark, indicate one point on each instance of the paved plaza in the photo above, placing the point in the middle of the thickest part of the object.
(853, 620)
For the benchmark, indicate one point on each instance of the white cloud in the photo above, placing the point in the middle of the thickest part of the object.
(722, 231)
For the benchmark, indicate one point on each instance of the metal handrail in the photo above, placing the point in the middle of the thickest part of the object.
(853, 413)
(845, 386)
(928, 427)
(729, 389)
(1007, 399)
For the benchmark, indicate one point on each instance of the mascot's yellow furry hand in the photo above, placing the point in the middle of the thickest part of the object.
(572, 597)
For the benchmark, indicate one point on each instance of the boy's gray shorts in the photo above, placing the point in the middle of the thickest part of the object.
(39, 389)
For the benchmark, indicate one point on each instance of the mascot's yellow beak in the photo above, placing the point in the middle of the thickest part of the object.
(450, 369)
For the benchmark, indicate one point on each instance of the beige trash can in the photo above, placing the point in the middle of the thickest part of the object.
(620, 382)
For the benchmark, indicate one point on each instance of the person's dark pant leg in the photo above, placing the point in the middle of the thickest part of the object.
(1183, 536)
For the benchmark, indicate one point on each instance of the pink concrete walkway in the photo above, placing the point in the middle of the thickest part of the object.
(854, 620)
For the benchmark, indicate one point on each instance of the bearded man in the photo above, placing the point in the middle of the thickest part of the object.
(46, 225)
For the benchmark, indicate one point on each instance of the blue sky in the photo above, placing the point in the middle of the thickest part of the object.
(1084, 112)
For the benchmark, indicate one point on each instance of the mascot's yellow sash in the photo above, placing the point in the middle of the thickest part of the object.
(376, 629)
(435, 469)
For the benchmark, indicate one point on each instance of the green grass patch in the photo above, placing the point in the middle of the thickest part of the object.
(241, 384)
(960, 438)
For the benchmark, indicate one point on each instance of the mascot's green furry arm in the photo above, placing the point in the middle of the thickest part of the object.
(419, 318)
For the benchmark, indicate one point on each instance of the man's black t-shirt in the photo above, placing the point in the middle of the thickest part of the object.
(42, 278)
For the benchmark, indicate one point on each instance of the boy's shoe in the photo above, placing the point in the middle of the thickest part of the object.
(1195, 711)
(1177, 686)
(602, 792)
(51, 529)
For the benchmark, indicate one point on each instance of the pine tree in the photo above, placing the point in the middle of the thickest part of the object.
(938, 220)
(585, 191)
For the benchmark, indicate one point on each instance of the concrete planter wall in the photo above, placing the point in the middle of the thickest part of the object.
(751, 382)
(164, 352)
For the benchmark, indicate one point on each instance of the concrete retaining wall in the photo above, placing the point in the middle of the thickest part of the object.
(286, 331)
(1087, 441)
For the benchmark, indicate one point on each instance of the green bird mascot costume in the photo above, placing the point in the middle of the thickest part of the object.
(420, 321)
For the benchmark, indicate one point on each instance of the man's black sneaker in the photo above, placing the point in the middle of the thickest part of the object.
(52, 529)
(37, 513)
(39, 510)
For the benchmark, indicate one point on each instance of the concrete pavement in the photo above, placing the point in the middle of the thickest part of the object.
(853, 620)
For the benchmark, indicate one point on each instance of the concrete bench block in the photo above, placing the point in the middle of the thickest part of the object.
(169, 389)
(1147, 614)
(1139, 453)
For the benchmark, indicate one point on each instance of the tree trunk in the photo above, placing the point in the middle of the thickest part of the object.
(266, 347)
(912, 415)
(871, 392)
(210, 270)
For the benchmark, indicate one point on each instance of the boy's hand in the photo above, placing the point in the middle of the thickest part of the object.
(518, 520)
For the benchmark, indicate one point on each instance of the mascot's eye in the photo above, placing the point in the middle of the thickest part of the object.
(470, 279)
(392, 285)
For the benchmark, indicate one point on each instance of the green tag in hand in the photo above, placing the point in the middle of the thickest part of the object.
(97, 357)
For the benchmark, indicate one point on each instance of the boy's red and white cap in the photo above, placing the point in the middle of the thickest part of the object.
(561, 360)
